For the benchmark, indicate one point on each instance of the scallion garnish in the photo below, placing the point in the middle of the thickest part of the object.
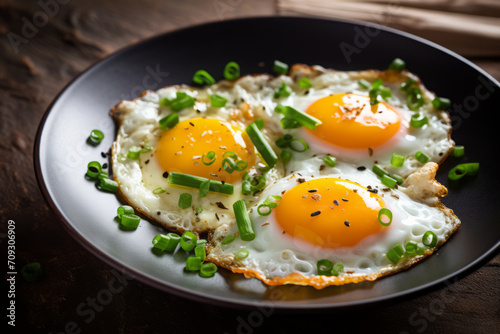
(415, 98)
(461, 170)
(418, 120)
(32, 272)
(282, 91)
(280, 67)
(188, 241)
(124, 209)
(173, 241)
(217, 101)
(199, 250)
(251, 185)
(96, 136)
(389, 181)
(305, 83)
(231, 71)
(422, 157)
(302, 146)
(385, 217)
(301, 117)
(270, 203)
(395, 254)
(330, 161)
(193, 263)
(181, 101)
(208, 270)
(458, 151)
(94, 168)
(243, 222)
(160, 241)
(364, 83)
(228, 239)
(185, 200)
(411, 248)
(261, 144)
(208, 158)
(192, 181)
(130, 221)
(241, 254)
(285, 157)
(134, 152)
(429, 239)
(158, 191)
(289, 123)
(204, 188)
(108, 185)
(201, 77)
(325, 267)
(405, 86)
(397, 160)
(397, 64)
(169, 121)
(441, 103)
(379, 171)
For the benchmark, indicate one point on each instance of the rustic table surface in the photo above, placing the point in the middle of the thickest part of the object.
(33, 69)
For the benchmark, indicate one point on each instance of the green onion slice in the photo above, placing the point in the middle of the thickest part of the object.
(94, 168)
(305, 83)
(422, 157)
(160, 241)
(441, 103)
(201, 77)
(395, 254)
(418, 120)
(270, 203)
(461, 170)
(301, 117)
(231, 71)
(185, 200)
(289, 123)
(124, 209)
(208, 270)
(415, 98)
(282, 91)
(397, 160)
(363, 83)
(32, 272)
(169, 121)
(108, 185)
(228, 239)
(379, 171)
(134, 152)
(130, 221)
(397, 64)
(330, 161)
(243, 222)
(192, 181)
(405, 86)
(458, 151)
(251, 185)
(181, 101)
(96, 136)
(302, 147)
(285, 157)
(325, 267)
(158, 191)
(430, 239)
(411, 248)
(280, 67)
(173, 241)
(261, 144)
(199, 250)
(241, 254)
(217, 101)
(204, 188)
(193, 263)
(284, 142)
(188, 241)
(208, 158)
(389, 181)
(385, 217)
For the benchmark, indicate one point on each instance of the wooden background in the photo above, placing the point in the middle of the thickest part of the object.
(79, 33)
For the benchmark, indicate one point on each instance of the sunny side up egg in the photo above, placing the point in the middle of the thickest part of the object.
(335, 217)
(197, 145)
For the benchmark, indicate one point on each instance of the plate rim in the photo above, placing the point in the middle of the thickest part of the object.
(222, 301)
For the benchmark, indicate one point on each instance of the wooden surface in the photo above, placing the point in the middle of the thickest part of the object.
(78, 34)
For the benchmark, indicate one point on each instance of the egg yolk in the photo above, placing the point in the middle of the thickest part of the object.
(181, 148)
(329, 212)
(350, 121)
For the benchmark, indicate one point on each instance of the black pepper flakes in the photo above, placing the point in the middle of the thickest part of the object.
(346, 223)
(104, 165)
(315, 213)
(146, 162)
(103, 154)
(345, 199)
(361, 168)
(165, 175)
(220, 205)
(217, 216)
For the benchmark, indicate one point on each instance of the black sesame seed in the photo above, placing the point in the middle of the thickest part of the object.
(146, 162)
(165, 175)
(346, 223)
(335, 202)
(103, 154)
(345, 200)
(361, 168)
(190, 123)
(104, 165)
(158, 213)
(312, 190)
(315, 213)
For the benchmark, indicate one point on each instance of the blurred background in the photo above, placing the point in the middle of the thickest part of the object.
(44, 44)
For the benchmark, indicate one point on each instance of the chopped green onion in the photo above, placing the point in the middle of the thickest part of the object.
(134, 152)
(130, 221)
(241, 254)
(339, 267)
(145, 147)
(284, 142)
(330, 161)
(169, 121)
(377, 83)
(204, 188)
(192, 181)
(108, 185)
(282, 91)
(305, 83)
(289, 123)
(397, 160)
(399, 179)
(228, 239)
(325, 267)
(395, 254)
(458, 151)
(232, 71)
(373, 94)
(441, 103)
(411, 248)
(461, 170)
(397, 64)
(217, 101)
(385, 93)
(124, 210)
(158, 191)
(181, 101)
(185, 200)
(270, 203)
(422, 157)
(418, 120)
(188, 241)
(103, 175)
(211, 156)
(259, 122)
(96, 136)
(379, 171)
(193, 263)
(385, 217)
(430, 239)
(364, 83)
(32, 272)
(231, 155)
(298, 116)
(262, 145)
(208, 270)
(201, 77)
(302, 146)
(405, 86)
(285, 157)
(415, 98)
(173, 241)
(389, 181)
(94, 168)
(199, 250)
(251, 185)
(280, 67)
(243, 222)
(160, 241)
(199, 209)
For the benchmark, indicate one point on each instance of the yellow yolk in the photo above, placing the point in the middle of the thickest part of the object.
(181, 148)
(351, 122)
(329, 212)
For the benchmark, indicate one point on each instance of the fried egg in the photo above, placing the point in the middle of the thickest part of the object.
(183, 148)
(336, 217)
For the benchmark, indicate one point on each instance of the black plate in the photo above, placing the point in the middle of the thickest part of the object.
(61, 153)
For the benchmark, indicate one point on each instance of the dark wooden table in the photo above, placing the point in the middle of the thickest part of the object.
(70, 298)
